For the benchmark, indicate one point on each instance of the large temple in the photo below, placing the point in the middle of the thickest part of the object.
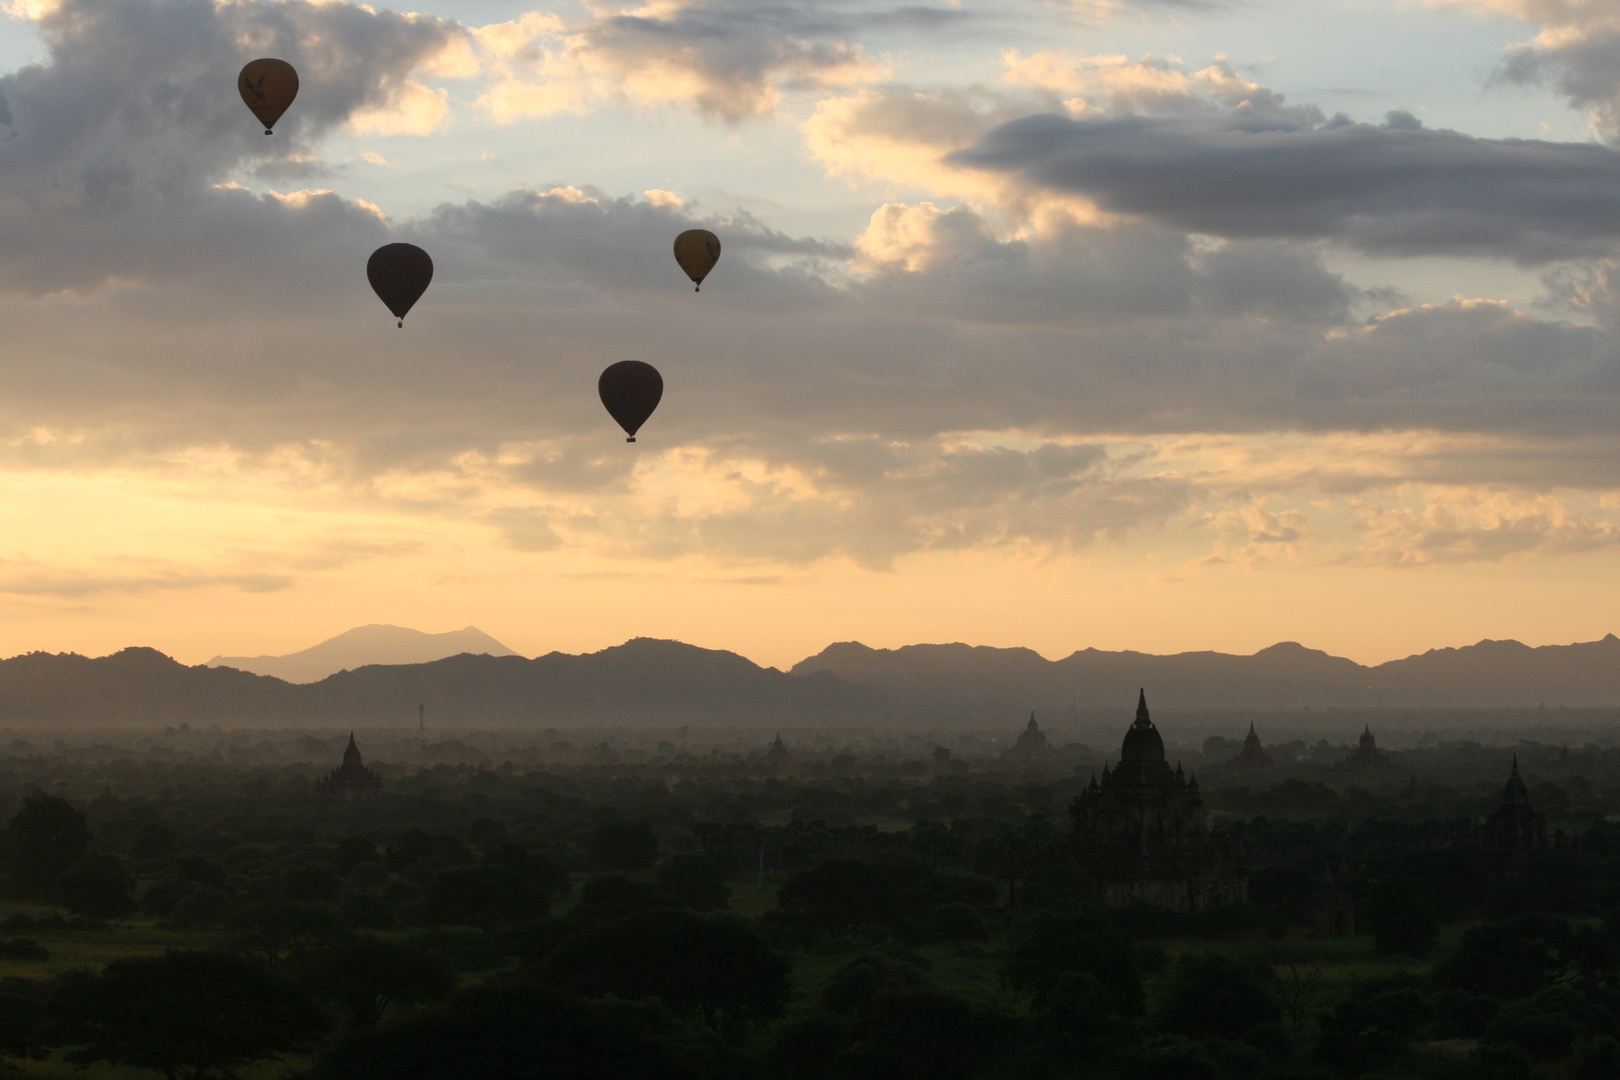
(1254, 755)
(352, 778)
(1514, 830)
(1138, 834)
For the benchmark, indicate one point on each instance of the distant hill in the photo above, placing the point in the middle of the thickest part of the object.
(961, 679)
(643, 681)
(374, 644)
(647, 681)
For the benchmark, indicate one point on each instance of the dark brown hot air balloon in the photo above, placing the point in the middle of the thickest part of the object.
(399, 274)
(268, 86)
(697, 250)
(631, 390)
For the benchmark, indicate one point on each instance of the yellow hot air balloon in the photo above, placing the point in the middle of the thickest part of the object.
(268, 86)
(697, 250)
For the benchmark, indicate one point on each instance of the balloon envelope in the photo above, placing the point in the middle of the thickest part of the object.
(631, 390)
(268, 86)
(697, 250)
(399, 274)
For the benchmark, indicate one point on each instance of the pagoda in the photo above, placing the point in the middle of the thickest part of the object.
(351, 779)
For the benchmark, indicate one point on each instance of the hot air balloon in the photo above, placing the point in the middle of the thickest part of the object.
(399, 274)
(697, 250)
(268, 86)
(630, 389)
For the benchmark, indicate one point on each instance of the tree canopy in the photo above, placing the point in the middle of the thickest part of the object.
(714, 968)
(185, 1014)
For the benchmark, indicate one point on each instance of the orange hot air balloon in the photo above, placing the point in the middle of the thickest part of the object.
(399, 275)
(268, 86)
(697, 250)
(631, 391)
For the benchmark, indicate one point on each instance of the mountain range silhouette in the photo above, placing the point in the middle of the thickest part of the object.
(651, 681)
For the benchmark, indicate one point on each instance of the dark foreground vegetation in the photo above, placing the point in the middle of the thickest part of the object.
(854, 905)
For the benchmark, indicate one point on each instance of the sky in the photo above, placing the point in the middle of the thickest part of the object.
(1170, 325)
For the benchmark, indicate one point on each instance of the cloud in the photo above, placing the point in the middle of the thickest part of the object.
(1387, 190)
(999, 369)
(1577, 53)
(119, 144)
(1469, 525)
(728, 59)
(21, 577)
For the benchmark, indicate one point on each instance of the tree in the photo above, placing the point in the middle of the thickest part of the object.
(274, 930)
(1509, 959)
(957, 922)
(840, 895)
(365, 976)
(98, 886)
(46, 836)
(1370, 1030)
(854, 985)
(713, 968)
(1073, 937)
(544, 876)
(623, 844)
(1210, 996)
(311, 883)
(482, 896)
(193, 1014)
(351, 851)
(915, 1035)
(154, 841)
(22, 1026)
(1399, 920)
(502, 1032)
(487, 834)
(692, 878)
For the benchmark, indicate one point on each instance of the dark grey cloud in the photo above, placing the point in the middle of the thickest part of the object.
(1392, 189)
(117, 141)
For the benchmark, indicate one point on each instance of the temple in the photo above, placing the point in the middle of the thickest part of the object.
(1514, 829)
(1367, 756)
(1253, 755)
(351, 779)
(1031, 741)
(1138, 834)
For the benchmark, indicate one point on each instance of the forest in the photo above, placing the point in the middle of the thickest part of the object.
(839, 904)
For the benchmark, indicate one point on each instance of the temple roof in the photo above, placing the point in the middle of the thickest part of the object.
(1142, 741)
(1516, 793)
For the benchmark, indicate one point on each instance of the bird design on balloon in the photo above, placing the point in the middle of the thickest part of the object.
(268, 87)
